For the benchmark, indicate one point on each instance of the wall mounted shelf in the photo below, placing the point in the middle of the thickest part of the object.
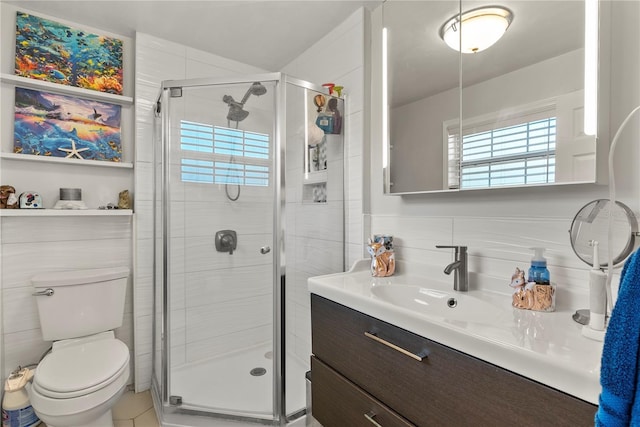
(65, 90)
(64, 160)
(66, 212)
(315, 177)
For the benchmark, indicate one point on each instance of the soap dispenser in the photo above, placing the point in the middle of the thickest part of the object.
(543, 292)
(538, 271)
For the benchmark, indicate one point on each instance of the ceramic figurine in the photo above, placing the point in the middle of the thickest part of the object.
(30, 200)
(517, 280)
(124, 200)
(383, 262)
(8, 198)
(529, 295)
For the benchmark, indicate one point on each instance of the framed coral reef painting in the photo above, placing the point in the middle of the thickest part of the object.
(50, 51)
(48, 124)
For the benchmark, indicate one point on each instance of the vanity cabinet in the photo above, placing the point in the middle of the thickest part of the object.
(366, 371)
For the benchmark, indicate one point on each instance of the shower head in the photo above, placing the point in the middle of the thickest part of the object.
(256, 89)
(237, 112)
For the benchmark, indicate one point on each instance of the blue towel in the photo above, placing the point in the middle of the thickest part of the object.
(620, 396)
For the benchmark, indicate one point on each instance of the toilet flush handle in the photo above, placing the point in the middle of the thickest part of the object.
(46, 293)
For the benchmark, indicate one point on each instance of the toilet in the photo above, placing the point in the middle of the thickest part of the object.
(87, 370)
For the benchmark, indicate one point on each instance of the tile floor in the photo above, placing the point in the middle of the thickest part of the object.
(135, 410)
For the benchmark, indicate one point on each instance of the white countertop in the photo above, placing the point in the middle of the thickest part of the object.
(547, 347)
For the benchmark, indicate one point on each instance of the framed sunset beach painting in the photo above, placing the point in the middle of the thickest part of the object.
(53, 52)
(48, 124)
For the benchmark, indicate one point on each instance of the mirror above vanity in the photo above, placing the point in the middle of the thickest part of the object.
(522, 100)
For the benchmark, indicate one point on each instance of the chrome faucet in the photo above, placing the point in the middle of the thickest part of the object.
(461, 277)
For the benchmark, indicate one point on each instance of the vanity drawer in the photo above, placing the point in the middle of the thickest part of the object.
(336, 402)
(446, 387)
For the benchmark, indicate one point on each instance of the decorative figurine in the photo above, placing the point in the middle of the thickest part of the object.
(530, 295)
(383, 262)
(30, 200)
(124, 200)
(8, 198)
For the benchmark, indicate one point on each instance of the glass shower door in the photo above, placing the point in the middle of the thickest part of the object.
(220, 193)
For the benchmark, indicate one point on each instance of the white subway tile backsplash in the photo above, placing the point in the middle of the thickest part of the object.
(53, 229)
(23, 260)
(20, 310)
(512, 238)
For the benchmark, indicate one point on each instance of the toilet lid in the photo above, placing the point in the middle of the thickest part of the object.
(83, 366)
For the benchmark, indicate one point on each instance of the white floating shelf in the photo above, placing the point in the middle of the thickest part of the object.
(64, 160)
(315, 177)
(65, 212)
(65, 90)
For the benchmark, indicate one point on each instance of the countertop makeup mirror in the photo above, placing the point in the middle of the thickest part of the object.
(521, 100)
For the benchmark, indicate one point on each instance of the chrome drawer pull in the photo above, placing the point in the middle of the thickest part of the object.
(47, 292)
(369, 418)
(393, 346)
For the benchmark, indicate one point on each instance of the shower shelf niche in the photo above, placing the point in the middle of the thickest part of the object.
(315, 177)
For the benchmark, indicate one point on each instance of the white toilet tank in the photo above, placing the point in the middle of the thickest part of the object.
(83, 302)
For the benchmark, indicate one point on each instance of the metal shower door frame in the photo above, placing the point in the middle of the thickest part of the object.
(279, 414)
(281, 80)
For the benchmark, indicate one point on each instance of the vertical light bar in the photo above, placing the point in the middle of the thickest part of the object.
(306, 134)
(385, 103)
(591, 67)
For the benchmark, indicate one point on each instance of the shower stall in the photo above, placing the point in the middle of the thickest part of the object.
(249, 203)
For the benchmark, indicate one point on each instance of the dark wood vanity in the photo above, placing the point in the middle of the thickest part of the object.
(366, 372)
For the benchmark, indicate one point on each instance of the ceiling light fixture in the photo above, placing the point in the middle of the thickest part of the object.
(480, 28)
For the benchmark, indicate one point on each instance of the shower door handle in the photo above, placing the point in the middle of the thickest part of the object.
(265, 250)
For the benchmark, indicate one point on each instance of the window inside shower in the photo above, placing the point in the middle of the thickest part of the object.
(221, 155)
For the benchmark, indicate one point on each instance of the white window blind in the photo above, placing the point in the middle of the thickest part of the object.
(221, 155)
(514, 151)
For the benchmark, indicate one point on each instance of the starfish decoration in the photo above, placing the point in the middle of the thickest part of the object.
(73, 151)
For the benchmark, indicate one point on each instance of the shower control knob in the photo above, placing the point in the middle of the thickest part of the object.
(265, 250)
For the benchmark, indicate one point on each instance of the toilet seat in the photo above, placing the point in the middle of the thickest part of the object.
(81, 368)
(80, 378)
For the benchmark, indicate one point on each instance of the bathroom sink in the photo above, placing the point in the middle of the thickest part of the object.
(434, 302)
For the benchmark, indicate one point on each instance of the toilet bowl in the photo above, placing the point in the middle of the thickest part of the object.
(80, 380)
(87, 370)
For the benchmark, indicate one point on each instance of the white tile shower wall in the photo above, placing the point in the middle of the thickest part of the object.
(338, 57)
(39, 245)
(194, 211)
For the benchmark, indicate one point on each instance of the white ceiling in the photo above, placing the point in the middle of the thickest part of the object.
(266, 34)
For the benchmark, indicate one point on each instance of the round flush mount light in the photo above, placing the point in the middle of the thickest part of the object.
(480, 28)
